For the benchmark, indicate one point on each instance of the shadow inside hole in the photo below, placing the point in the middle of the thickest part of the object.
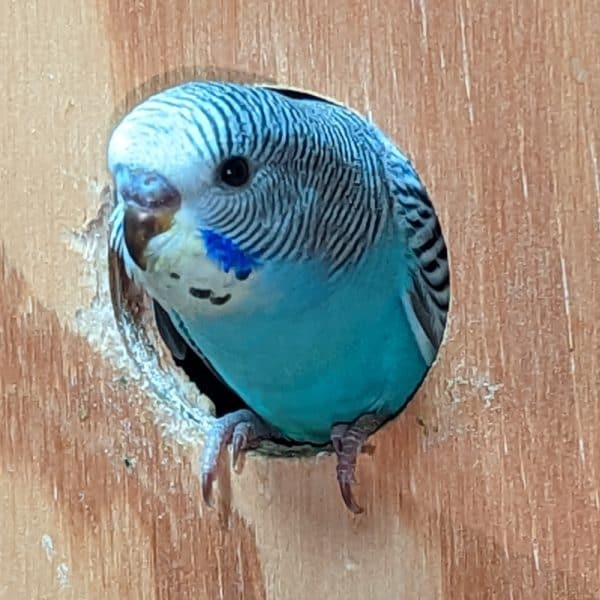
(225, 399)
(222, 396)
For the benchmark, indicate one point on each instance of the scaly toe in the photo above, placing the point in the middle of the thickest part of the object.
(337, 437)
(239, 443)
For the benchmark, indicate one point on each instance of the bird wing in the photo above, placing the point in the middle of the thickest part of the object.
(426, 293)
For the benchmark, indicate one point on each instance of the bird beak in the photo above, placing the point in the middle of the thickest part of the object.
(151, 202)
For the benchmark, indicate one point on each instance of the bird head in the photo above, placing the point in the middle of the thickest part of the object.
(240, 166)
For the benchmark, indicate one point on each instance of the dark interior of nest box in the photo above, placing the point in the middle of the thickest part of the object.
(225, 400)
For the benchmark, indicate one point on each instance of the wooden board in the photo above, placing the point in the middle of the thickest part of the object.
(486, 487)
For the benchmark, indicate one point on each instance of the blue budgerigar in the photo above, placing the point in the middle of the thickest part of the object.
(293, 247)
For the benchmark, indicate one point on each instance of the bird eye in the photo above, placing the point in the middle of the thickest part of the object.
(235, 171)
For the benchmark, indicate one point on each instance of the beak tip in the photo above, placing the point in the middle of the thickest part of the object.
(140, 226)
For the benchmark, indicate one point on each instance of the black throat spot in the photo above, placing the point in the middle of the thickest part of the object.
(204, 294)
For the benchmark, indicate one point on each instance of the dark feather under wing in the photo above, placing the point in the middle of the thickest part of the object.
(427, 297)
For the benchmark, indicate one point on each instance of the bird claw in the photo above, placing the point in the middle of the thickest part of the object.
(207, 483)
(241, 435)
(347, 440)
(345, 476)
(244, 430)
(348, 497)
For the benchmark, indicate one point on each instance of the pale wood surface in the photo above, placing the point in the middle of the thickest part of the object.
(487, 486)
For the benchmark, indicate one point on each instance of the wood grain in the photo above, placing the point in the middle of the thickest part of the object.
(487, 486)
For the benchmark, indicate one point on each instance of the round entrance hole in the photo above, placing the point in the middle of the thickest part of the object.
(146, 325)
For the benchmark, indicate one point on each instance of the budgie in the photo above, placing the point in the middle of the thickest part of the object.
(289, 243)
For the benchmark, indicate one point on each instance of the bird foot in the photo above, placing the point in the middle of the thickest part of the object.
(244, 430)
(347, 440)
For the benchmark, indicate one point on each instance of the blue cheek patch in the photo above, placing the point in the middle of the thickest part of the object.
(227, 254)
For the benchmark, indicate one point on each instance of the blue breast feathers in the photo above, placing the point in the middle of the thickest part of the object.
(227, 254)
